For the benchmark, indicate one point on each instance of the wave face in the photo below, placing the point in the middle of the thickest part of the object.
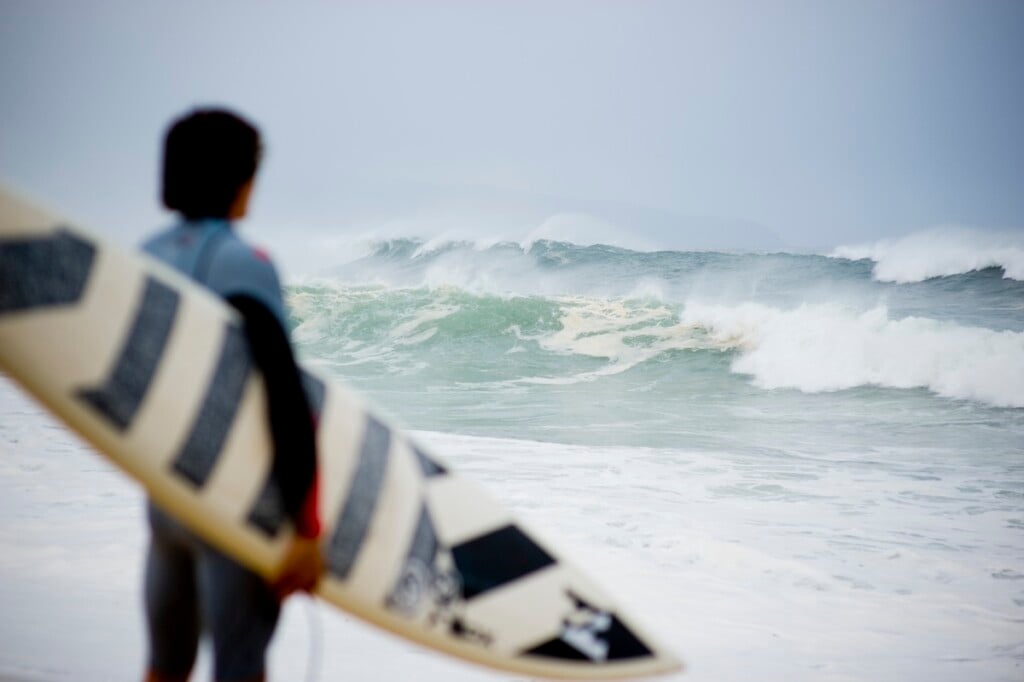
(941, 252)
(553, 337)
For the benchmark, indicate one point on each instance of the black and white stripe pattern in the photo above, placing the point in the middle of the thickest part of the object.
(449, 566)
(119, 397)
(361, 501)
(497, 558)
(198, 457)
(41, 272)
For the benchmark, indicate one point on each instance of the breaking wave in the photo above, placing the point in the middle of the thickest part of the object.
(941, 252)
(817, 348)
(571, 339)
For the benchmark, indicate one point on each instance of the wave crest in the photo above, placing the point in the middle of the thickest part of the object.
(572, 339)
(816, 348)
(940, 252)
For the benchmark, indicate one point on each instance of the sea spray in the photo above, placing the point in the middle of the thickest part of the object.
(826, 348)
(941, 252)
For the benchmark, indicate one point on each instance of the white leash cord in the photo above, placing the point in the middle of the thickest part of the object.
(316, 640)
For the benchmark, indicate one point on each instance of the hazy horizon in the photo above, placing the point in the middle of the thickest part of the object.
(800, 124)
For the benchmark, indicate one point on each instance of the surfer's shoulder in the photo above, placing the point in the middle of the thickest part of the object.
(237, 256)
(238, 268)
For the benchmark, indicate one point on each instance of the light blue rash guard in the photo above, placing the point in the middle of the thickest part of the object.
(209, 251)
(187, 581)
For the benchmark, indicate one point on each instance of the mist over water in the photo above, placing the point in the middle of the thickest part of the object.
(941, 252)
(545, 327)
(806, 426)
(812, 427)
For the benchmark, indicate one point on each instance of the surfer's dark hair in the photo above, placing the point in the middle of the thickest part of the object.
(209, 154)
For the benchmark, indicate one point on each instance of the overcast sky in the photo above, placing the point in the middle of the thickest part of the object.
(822, 122)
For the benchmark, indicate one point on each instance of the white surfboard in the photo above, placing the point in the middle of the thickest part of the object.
(153, 371)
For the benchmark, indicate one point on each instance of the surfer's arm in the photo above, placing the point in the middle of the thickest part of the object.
(291, 420)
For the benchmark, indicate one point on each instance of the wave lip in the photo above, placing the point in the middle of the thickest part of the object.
(940, 252)
(826, 347)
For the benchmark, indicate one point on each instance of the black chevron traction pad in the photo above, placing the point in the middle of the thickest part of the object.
(489, 561)
(361, 501)
(424, 545)
(267, 513)
(419, 580)
(39, 272)
(590, 634)
(429, 587)
(121, 394)
(428, 466)
(197, 458)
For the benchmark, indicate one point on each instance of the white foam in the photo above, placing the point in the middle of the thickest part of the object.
(481, 272)
(813, 348)
(422, 326)
(828, 347)
(846, 582)
(625, 332)
(939, 252)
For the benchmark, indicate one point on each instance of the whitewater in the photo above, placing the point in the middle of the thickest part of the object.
(789, 466)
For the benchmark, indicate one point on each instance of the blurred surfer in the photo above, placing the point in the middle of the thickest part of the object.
(209, 165)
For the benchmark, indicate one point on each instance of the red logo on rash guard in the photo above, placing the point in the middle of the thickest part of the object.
(261, 254)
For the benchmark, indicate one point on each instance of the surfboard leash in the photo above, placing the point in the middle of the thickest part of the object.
(314, 661)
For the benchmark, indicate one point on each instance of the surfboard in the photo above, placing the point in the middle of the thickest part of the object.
(154, 372)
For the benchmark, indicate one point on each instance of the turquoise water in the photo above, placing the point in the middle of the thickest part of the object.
(812, 462)
(774, 353)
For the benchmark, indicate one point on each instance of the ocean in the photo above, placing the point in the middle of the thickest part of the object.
(791, 466)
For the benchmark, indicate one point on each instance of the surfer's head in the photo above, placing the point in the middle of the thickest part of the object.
(210, 159)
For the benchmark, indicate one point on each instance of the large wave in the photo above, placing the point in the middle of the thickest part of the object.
(812, 348)
(576, 339)
(816, 348)
(941, 252)
(548, 268)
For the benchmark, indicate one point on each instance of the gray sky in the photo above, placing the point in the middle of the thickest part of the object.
(821, 122)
